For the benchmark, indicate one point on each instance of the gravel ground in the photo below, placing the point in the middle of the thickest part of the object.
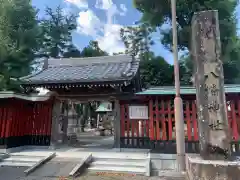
(17, 173)
(86, 177)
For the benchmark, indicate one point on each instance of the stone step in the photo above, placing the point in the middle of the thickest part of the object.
(32, 153)
(110, 168)
(9, 163)
(3, 156)
(120, 160)
(106, 155)
(19, 159)
(124, 156)
(23, 159)
(119, 163)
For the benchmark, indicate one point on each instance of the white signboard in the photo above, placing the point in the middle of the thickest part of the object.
(138, 112)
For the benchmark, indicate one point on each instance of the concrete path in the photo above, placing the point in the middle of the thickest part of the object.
(12, 173)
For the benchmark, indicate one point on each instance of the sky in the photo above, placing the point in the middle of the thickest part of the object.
(101, 20)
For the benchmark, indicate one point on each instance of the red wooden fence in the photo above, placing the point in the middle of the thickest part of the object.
(25, 122)
(158, 131)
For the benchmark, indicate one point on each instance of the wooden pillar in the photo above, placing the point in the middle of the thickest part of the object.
(117, 124)
(56, 112)
(209, 81)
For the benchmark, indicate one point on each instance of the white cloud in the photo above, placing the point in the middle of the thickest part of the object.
(111, 8)
(111, 12)
(81, 4)
(88, 23)
(104, 4)
(106, 33)
(124, 9)
(111, 41)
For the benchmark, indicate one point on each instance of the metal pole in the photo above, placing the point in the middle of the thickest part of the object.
(178, 105)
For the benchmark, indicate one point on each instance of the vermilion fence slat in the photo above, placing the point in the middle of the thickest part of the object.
(238, 119)
(188, 119)
(17, 120)
(128, 123)
(1, 120)
(163, 123)
(24, 119)
(12, 121)
(170, 120)
(151, 130)
(48, 121)
(194, 120)
(147, 129)
(157, 120)
(234, 121)
(122, 121)
(132, 128)
(4, 122)
(1, 125)
(8, 123)
(137, 128)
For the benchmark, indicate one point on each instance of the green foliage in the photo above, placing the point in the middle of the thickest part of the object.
(19, 41)
(71, 51)
(230, 68)
(157, 13)
(119, 53)
(57, 33)
(57, 37)
(92, 50)
(156, 72)
(137, 39)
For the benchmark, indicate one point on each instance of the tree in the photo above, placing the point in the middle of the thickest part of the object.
(71, 51)
(157, 13)
(19, 41)
(156, 72)
(137, 40)
(119, 53)
(93, 50)
(57, 33)
(186, 70)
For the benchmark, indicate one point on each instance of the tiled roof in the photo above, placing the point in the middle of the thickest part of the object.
(86, 70)
(170, 90)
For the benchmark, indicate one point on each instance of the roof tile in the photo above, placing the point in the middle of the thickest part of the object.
(96, 69)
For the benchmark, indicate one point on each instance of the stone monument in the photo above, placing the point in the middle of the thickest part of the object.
(72, 124)
(214, 133)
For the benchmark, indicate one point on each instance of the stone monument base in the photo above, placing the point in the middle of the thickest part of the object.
(200, 169)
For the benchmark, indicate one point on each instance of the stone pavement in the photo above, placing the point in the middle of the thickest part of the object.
(12, 173)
